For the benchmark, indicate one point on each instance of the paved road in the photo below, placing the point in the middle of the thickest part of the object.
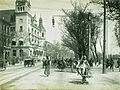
(33, 78)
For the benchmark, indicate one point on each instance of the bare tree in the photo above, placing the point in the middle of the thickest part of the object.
(76, 35)
(113, 13)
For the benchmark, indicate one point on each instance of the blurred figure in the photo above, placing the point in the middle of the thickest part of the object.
(61, 64)
(118, 63)
(111, 64)
(83, 68)
(43, 62)
(47, 66)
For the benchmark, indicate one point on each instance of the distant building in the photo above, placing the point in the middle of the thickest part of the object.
(28, 37)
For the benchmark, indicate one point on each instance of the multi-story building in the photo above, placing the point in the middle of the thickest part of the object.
(28, 37)
(5, 39)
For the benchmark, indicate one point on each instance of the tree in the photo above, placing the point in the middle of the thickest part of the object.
(76, 24)
(113, 13)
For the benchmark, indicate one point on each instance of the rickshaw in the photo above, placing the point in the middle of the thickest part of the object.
(3, 64)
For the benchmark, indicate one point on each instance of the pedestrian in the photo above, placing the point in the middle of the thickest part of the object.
(47, 66)
(84, 69)
(111, 64)
(118, 63)
(43, 62)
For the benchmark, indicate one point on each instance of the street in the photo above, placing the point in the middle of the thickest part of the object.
(20, 77)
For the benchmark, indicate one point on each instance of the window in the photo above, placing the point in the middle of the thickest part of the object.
(32, 30)
(12, 29)
(20, 42)
(13, 42)
(18, 8)
(14, 52)
(42, 34)
(21, 52)
(20, 20)
(23, 8)
(21, 28)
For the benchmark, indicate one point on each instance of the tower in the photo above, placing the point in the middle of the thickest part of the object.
(22, 25)
(22, 6)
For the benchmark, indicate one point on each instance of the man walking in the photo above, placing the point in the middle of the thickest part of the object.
(47, 66)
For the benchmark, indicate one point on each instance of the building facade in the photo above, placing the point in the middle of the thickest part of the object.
(28, 37)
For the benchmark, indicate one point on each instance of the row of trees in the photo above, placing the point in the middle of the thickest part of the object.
(80, 21)
(113, 13)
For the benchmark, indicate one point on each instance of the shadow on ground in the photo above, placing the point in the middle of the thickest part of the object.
(43, 75)
(77, 81)
(69, 71)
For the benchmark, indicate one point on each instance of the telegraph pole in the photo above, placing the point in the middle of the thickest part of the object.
(89, 36)
(104, 40)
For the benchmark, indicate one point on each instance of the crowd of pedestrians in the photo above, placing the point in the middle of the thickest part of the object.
(81, 66)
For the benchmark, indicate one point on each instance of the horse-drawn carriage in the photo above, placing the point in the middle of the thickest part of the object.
(29, 62)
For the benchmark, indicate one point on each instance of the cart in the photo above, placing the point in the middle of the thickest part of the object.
(29, 62)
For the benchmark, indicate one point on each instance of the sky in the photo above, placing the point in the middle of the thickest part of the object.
(49, 8)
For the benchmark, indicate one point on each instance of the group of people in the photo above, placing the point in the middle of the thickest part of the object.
(82, 67)
(110, 64)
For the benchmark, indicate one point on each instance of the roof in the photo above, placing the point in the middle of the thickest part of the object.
(8, 15)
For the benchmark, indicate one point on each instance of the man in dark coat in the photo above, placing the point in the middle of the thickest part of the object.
(47, 66)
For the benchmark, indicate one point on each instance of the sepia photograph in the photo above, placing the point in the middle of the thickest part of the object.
(59, 44)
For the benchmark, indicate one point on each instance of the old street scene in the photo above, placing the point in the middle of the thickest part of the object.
(59, 44)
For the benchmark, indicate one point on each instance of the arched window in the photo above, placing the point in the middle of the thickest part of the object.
(23, 8)
(20, 42)
(13, 42)
(18, 8)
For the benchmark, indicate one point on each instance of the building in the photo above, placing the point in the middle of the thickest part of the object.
(5, 39)
(28, 37)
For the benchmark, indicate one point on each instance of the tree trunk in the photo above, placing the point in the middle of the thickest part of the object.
(93, 54)
(96, 53)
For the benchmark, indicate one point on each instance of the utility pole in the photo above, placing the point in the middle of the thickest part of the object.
(104, 40)
(89, 36)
